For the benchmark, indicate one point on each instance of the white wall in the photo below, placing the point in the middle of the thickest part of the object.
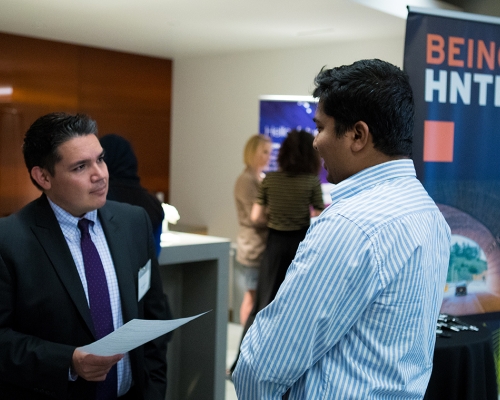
(216, 108)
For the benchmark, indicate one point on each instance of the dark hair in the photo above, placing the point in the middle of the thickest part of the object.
(47, 133)
(375, 92)
(297, 154)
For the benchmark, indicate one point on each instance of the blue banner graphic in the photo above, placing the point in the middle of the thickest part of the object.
(279, 115)
(453, 61)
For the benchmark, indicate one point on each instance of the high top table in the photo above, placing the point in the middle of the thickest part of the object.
(195, 273)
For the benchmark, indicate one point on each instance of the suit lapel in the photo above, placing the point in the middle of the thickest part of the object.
(118, 244)
(49, 234)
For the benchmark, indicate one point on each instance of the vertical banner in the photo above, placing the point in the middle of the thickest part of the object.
(453, 61)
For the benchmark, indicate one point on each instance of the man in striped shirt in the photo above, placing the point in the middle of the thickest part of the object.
(355, 317)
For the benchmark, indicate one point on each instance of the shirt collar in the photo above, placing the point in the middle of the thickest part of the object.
(67, 221)
(371, 176)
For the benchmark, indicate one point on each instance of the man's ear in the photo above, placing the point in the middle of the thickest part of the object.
(41, 176)
(361, 136)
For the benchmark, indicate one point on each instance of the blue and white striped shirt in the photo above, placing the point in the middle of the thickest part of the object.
(69, 227)
(355, 317)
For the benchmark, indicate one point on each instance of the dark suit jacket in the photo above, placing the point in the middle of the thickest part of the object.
(44, 314)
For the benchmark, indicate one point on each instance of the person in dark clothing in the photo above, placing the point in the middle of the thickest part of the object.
(124, 182)
(71, 264)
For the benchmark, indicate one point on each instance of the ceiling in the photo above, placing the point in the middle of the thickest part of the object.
(183, 28)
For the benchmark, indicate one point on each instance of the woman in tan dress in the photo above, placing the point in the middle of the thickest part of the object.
(251, 240)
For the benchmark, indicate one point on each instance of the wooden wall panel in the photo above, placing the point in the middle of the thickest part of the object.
(130, 95)
(43, 76)
(126, 94)
(126, 83)
(42, 73)
(15, 186)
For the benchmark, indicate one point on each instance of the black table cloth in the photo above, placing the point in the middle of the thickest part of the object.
(464, 367)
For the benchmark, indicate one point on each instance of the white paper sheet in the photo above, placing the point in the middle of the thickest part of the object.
(133, 334)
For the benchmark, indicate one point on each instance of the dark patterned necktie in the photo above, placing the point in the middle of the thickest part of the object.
(100, 306)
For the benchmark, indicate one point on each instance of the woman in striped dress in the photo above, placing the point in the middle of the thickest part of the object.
(287, 200)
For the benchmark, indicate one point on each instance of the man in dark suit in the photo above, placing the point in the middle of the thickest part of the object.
(45, 286)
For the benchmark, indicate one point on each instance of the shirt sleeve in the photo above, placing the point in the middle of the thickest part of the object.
(330, 283)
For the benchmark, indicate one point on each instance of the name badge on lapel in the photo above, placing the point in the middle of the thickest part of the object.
(144, 280)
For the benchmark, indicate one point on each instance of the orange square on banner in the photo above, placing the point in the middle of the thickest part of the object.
(438, 141)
